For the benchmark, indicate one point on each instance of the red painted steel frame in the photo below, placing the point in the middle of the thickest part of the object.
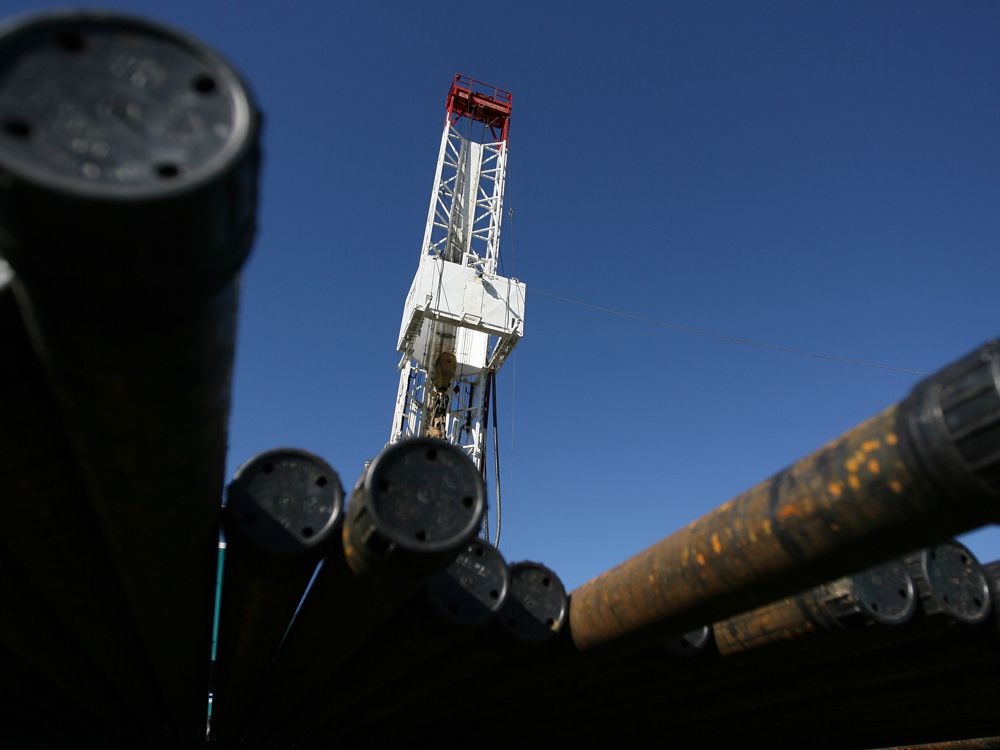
(480, 102)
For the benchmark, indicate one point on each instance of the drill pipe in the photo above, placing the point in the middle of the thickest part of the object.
(906, 666)
(919, 472)
(412, 511)
(817, 619)
(37, 644)
(846, 622)
(284, 510)
(130, 296)
(948, 688)
(531, 618)
(50, 530)
(951, 583)
(978, 743)
(450, 606)
(884, 595)
(34, 709)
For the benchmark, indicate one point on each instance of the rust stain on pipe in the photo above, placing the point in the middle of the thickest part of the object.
(915, 474)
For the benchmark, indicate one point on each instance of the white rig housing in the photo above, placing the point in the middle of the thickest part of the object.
(473, 302)
(460, 319)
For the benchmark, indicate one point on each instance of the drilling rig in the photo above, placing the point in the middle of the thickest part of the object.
(461, 320)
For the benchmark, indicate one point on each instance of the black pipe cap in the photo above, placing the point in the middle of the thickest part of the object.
(536, 606)
(471, 590)
(951, 581)
(885, 593)
(285, 502)
(421, 495)
(129, 155)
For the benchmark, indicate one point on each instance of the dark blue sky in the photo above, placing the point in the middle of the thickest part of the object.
(824, 176)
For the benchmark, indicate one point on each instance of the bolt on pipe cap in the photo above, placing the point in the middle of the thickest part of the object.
(885, 593)
(471, 590)
(535, 610)
(424, 495)
(141, 140)
(285, 501)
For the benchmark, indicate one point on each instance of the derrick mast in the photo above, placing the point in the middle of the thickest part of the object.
(461, 319)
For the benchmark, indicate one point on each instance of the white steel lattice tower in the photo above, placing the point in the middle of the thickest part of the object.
(461, 319)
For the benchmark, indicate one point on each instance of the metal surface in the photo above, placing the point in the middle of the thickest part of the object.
(460, 320)
(422, 497)
(883, 595)
(450, 606)
(51, 531)
(913, 475)
(472, 589)
(284, 502)
(284, 509)
(535, 610)
(951, 583)
(144, 144)
(980, 743)
(410, 514)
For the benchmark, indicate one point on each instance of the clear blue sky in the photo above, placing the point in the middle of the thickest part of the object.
(820, 175)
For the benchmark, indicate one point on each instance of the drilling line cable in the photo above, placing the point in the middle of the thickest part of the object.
(513, 411)
(727, 337)
(496, 459)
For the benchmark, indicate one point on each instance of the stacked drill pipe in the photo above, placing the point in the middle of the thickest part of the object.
(833, 667)
(130, 157)
(975, 743)
(49, 670)
(836, 617)
(450, 689)
(34, 709)
(52, 533)
(451, 606)
(861, 687)
(413, 510)
(284, 510)
(919, 472)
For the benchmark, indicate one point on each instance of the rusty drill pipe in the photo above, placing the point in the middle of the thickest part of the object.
(130, 296)
(284, 510)
(50, 529)
(903, 665)
(451, 605)
(919, 472)
(411, 513)
(782, 632)
(858, 617)
(841, 662)
(979, 743)
(884, 595)
(933, 687)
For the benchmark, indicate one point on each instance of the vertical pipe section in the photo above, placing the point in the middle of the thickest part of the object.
(448, 687)
(917, 473)
(452, 604)
(411, 513)
(51, 531)
(144, 144)
(284, 509)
